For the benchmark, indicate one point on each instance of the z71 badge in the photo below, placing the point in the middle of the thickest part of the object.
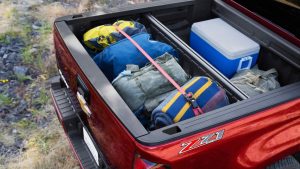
(201, 141)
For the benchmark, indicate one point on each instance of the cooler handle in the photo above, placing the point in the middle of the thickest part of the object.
(245, 59)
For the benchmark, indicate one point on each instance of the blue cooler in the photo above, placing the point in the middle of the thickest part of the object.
(223, 46)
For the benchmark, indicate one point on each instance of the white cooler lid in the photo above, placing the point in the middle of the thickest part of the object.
(225, 38)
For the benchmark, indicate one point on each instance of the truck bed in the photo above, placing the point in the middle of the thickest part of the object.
(171, 24)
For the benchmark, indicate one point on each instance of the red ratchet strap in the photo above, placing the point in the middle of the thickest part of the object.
(196, 108)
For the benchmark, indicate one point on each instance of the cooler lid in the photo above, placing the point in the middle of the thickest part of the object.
(225, 38)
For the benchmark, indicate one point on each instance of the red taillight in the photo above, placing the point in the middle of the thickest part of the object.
(140, 163)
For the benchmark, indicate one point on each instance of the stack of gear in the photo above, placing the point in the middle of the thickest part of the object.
(255, 81)
(144, 89)
(102, 36)
(199, 95)
(148, 89)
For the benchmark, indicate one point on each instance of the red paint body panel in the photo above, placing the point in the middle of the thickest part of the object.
(251, 142)
(114, 140)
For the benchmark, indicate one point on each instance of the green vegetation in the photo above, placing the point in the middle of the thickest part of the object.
(3, 39)
(45, 41)
(2, 160)
(10, 14)
(5, 100)
(25, 32)
(25, 124)
(23, 78)
(38, 113)
(43, 97)
(25, 128)
(46, 29)
(34, 59)
(4, 36)
(27, 56)
(39, 61)
(43, 141)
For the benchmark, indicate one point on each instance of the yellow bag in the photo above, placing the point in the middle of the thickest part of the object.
(102, 36)
(99, 37)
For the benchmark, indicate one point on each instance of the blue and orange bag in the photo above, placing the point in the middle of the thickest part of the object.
(175, 107)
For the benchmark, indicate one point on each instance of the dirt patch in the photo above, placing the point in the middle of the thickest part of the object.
(46, 149)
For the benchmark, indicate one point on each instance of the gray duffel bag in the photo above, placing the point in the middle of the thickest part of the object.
(255, 81)
(145, 88)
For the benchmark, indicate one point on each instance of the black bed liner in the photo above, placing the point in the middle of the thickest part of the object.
(66, 28)
(266, 9)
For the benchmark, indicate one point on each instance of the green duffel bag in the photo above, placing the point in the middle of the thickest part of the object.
(143, 89)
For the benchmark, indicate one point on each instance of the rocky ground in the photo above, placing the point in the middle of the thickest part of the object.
(30, 136)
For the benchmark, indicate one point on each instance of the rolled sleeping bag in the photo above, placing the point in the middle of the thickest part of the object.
(209, 96)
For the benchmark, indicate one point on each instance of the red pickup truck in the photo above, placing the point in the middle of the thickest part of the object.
(252, 132)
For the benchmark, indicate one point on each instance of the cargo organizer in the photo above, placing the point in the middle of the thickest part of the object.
(223, 46)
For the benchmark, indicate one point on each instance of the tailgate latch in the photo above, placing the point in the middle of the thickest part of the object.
(83, 104)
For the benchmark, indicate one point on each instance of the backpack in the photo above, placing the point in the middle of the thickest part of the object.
(175, 108)
(114, 58)
(255, 81)
(145, 88)
(100, 37)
